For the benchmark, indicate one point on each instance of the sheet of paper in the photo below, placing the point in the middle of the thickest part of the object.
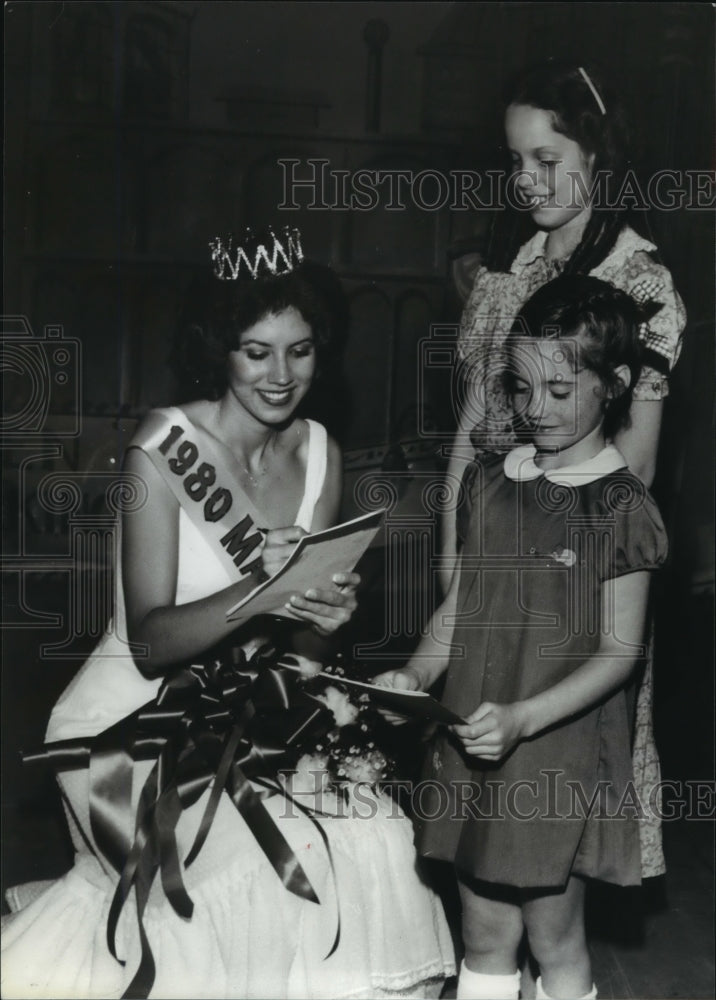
(413, 703)
(311, 564)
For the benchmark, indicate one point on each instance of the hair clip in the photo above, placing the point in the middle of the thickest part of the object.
(593, 89)
(257, 257)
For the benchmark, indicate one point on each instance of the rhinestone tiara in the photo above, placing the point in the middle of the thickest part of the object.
(256, 256)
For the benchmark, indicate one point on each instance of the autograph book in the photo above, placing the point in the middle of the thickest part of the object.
(311, 564)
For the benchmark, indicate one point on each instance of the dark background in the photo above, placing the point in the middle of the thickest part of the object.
(135, 132)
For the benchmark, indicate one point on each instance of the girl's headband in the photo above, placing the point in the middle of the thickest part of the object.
(593, 89)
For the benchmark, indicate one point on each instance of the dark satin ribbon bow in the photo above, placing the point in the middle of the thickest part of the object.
(222, 724)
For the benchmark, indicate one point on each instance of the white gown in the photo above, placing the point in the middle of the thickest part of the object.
(248, 936)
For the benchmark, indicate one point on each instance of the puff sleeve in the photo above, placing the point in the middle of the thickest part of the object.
(649, 282)
(640, 540)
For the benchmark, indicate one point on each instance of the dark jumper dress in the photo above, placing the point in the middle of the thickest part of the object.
(534, 555)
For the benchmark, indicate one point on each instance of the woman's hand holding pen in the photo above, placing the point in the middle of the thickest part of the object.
(492, 730)
(278, 546)
(325, 609)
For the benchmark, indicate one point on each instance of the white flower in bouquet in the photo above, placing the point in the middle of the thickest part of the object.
(338, 702)
(366, 768)
(311, 775)
(307, 668)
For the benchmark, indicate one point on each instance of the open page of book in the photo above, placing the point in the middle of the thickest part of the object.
(312, 563)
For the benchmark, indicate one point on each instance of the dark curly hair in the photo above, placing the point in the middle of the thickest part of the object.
(560, 87)
(605, 322)
(218, 312)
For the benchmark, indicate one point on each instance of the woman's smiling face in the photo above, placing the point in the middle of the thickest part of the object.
(547, 167)
(273, 368)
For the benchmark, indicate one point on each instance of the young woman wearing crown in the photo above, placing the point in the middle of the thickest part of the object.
(178, 890)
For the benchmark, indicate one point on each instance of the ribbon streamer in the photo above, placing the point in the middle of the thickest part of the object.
(224, 724)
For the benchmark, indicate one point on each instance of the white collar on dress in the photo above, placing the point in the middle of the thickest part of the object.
(628, 241)
(520, 466)
(530, 251)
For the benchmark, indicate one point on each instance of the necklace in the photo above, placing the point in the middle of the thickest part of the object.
(234, 450)
(262, 470)
(247, 472)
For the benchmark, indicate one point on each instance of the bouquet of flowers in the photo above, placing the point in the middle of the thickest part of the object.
(349, 752)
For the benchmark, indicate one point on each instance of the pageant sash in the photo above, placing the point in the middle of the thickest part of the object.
(199, 475)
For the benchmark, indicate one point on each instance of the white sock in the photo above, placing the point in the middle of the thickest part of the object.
(541, 995)
(484, 986)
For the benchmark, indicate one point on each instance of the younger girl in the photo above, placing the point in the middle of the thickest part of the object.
(540, 633)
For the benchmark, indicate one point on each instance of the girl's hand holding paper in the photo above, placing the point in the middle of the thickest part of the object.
(491, 731)
(398, 680)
